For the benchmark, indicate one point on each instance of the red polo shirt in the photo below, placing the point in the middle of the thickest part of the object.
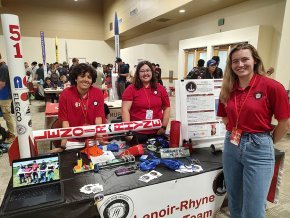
(146, 99)
(77, 111)
(266, 98)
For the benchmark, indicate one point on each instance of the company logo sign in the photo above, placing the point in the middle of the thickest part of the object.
(20, 129)
(190, 86)
(20, 83)
(117, 206)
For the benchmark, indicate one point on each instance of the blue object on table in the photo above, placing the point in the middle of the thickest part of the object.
(113, 147)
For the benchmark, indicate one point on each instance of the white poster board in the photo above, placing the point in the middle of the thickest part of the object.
(197, 105)
(194, 196)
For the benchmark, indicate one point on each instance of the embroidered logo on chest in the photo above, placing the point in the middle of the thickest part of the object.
(77, 104)
(155, 92)
(258, 95)
(95, 103)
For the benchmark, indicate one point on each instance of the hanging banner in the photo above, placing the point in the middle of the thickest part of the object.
(116, 31)
(66, 52)
(43, 53)
(12, 39)
(56, 49)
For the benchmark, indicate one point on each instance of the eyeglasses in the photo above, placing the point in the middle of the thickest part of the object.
(143, 71)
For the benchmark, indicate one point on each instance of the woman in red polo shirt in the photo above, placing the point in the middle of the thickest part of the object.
(248, 100)
(81, 104)
(145, 99)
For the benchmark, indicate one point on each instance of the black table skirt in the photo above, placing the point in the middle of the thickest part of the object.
(77, 204)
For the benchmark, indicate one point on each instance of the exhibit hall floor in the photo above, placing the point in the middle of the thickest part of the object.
(281, 210)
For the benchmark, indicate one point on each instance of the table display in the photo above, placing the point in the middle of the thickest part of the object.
(197, 187)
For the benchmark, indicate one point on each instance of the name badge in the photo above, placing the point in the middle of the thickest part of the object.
(149, 114)
(236, 136)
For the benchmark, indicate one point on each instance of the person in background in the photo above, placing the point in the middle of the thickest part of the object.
(49, 85)
(75, 62)
(34, 67)
(248, 100)
(129, 78)
(39, 74)
(27, 68)
(54, 74)
(211, 70)
(65, 68)
(5, 101)
(145, 99)
(100, 75)
(197, 72)
(158, 74)
(123, 71)
(83, 100)
(107, 69)
(219, 71)
(62, 83)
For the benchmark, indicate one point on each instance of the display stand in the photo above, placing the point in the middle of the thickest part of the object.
(199, 99)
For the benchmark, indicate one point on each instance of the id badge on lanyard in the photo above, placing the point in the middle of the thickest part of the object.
(236, 136)
(236, 132)
(149, 114)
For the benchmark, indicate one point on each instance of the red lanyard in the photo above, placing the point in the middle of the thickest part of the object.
(85, 107)
(236, 108)
(148, 99)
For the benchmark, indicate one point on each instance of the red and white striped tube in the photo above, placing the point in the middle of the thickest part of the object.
(89, 131)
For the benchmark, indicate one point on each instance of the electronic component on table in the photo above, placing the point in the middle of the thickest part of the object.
(174, 152)
(125, 171)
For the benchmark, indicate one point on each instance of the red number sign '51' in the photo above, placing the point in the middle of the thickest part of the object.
(14, 30)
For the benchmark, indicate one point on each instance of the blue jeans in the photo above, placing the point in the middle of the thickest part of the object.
(248, 170)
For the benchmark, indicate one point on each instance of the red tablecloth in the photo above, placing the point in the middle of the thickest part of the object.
(51, 109)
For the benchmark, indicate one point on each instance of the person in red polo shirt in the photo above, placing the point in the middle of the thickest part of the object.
(248, 100)
(81, 104)
(145, 99)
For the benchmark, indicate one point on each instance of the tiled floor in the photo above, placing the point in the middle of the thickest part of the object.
(281, 210)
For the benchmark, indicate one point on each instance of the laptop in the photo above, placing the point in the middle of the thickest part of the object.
(36, 183)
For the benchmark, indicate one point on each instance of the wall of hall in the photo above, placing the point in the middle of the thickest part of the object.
(250, 13)
(91, 50)
(147, 10)
(80, 25)
(71, 21)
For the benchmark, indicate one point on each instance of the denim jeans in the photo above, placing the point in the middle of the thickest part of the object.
(248, 170)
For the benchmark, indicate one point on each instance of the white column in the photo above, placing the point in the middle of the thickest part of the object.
(283, 71)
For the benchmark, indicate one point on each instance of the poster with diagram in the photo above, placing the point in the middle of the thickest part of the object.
(198, 102)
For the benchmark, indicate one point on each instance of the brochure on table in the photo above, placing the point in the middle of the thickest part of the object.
(196, 106)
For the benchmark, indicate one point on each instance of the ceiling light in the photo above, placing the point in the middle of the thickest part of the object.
(181, 11)
(76, 0)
